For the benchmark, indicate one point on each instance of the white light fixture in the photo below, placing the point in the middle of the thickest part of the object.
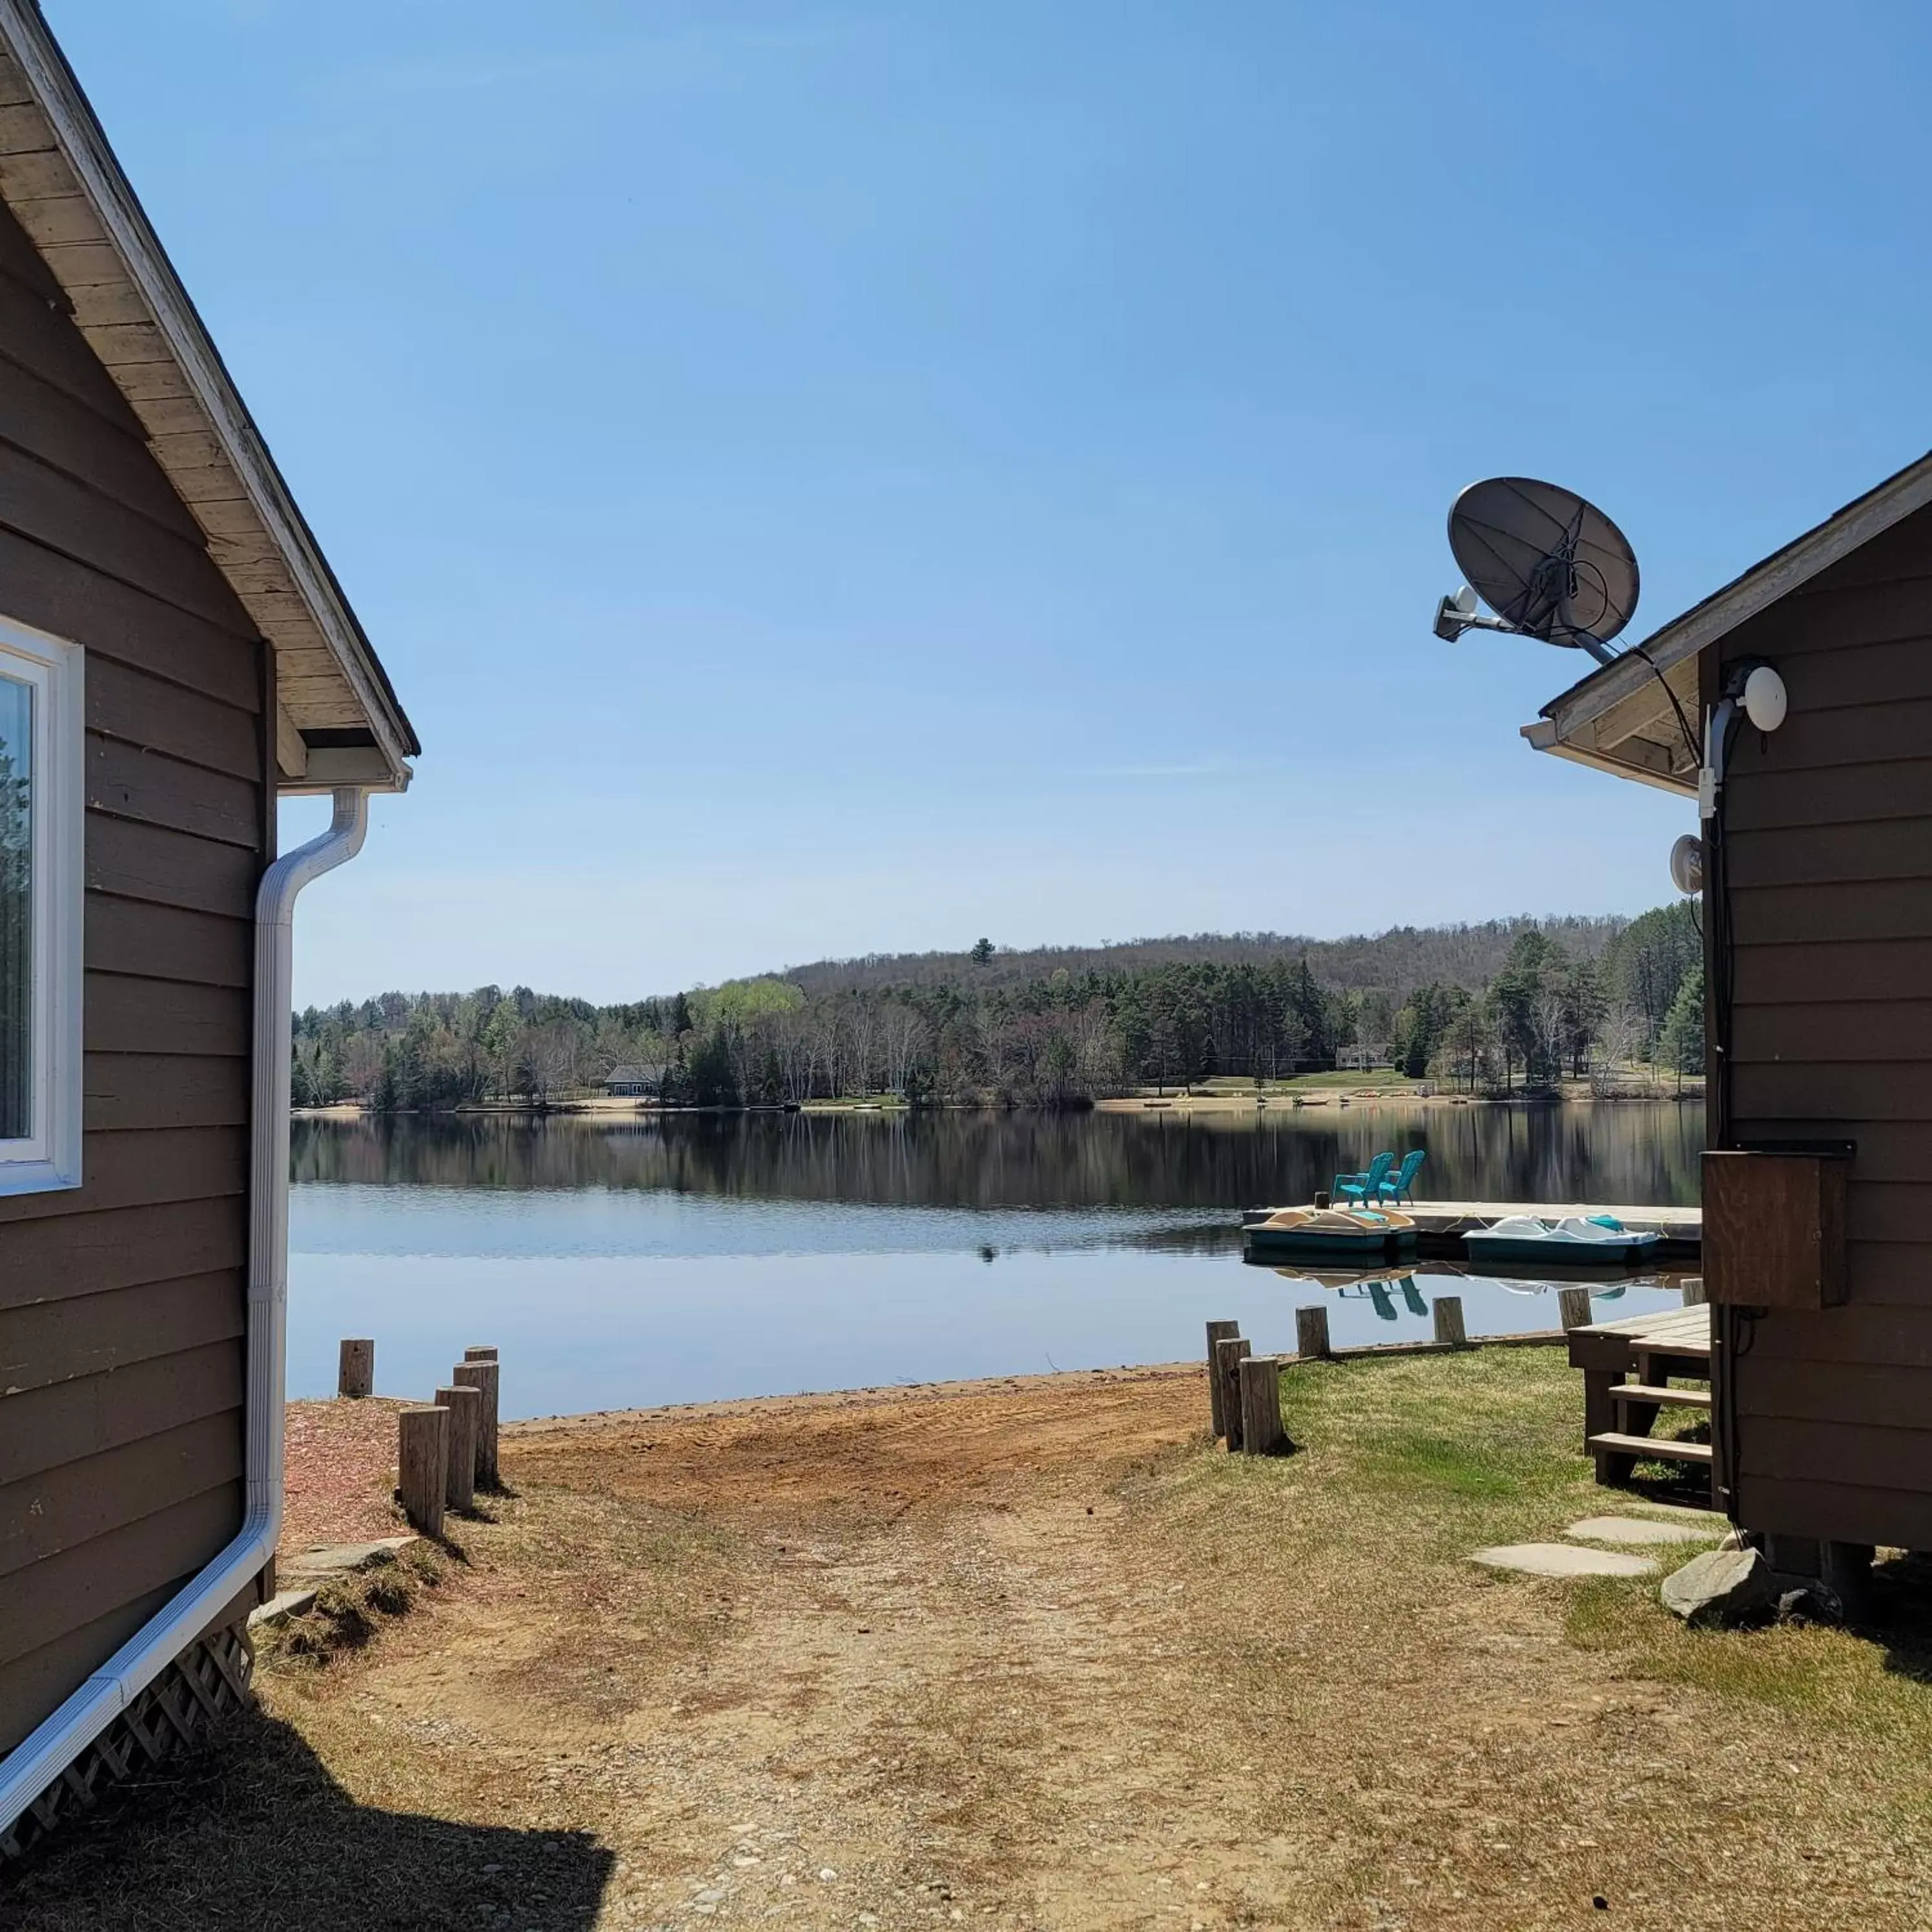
(1764, 698)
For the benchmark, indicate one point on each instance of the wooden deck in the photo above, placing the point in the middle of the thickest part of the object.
(1628, 1365)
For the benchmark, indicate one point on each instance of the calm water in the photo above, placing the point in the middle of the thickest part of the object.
(637, 1262)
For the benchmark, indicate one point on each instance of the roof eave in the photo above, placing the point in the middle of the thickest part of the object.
(83, 146)
(1571, 716)
(1652, 769)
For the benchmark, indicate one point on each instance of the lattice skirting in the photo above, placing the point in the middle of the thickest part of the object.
(207, 1683)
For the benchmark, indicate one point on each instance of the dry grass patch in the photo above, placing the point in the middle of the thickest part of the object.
(1489, 1750)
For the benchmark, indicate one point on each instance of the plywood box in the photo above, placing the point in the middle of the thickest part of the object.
(1775, 1229)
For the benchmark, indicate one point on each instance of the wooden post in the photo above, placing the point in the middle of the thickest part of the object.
(1449, 1321)
(1228, 1355)
(1599, 1409)
(1693, 1290)
(1311, 1333)
(355, 1374)
(422, 1461)
(466, 1411)
(483, 1377)
(1217, 1331)
(1261, 1431)
(480, 1355)
(1572, 1308)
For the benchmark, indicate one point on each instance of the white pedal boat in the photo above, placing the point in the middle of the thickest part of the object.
(1577, 1240)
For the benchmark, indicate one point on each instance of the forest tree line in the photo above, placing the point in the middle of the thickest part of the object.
(1562, 999)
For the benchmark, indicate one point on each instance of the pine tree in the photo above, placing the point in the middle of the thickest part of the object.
(1680, 1046)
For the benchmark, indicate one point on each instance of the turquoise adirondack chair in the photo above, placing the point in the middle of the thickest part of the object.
(1363, 1187)
(1402, 1180)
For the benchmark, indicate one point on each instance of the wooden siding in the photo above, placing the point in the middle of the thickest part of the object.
(122, 1302)
(1829, 846)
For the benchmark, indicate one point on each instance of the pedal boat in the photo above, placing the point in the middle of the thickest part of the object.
(1578, 1241)
(1354, 1231)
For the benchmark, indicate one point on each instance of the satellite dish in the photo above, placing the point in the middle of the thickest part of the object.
(1550, 564)
(1687, 865)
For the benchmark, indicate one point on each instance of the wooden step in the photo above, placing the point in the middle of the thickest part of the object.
(1660, 1398)
(1666, 1351)
(1650, 1448)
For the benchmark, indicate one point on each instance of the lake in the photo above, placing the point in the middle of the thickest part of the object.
(620, 1262)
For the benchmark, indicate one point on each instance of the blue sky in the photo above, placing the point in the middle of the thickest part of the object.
(837, 478)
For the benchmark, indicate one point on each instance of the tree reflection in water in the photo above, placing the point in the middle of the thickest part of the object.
(1622, 1154)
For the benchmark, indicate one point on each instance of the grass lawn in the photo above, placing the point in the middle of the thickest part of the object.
(1034, 1655)
(1382, 1077)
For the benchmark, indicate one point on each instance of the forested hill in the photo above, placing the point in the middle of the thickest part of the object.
(1396, 962)
(1487, 1005)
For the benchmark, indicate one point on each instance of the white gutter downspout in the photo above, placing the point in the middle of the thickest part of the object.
(40, 1757)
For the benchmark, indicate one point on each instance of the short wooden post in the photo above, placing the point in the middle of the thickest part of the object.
(483, 1377)
(422, 1463)
(1572, 1308)
(466, 1411)
(1693, 1290)
(1262, 1433)
(1229, 1353)
(1311, 1333)
(487, 1353)
(1449, 1327)
(1217, 1331)
(355, 1372)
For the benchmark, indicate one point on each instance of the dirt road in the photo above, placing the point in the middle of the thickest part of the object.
(914, 1674)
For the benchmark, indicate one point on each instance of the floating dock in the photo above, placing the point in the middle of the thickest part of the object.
(1440, 1225)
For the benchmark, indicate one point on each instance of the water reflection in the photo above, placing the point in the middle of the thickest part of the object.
(644, 1261)
(1390, 1294)
(1620, 1153)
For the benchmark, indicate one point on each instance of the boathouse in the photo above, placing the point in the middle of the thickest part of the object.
(175, 654)
(1817, 862)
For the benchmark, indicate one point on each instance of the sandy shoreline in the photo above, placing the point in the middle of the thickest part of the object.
(807, 1401)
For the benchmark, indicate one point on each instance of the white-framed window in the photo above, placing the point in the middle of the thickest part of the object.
(42, 795)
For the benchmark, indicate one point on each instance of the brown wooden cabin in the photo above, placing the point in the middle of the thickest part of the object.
(175, 653)
(1817, 916)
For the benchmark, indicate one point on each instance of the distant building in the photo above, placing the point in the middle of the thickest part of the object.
(1361, 1057)
(623, 1083)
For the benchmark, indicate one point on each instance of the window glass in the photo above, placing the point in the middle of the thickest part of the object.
(16, 856)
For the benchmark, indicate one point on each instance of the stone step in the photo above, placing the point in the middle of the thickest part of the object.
(1639, 1531)
(281, 1607)
(1650, 1448)
(343, 1559)
(1659, 1396)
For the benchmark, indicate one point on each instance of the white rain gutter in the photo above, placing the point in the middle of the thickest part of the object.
(40, 1758)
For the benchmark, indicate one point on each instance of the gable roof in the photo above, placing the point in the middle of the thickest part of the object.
(340, 721)
(1619, 717)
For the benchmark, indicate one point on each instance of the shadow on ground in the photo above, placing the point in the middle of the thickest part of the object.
(255, 1833)
(1900, 1614)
